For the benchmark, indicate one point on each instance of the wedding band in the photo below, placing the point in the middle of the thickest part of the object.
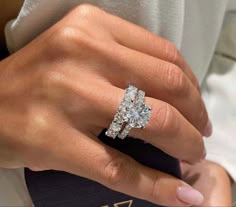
(119, 118)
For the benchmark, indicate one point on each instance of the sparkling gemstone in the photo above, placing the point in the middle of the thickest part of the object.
(116, 127)
(138, 116)
(111, 133)
(140, 98)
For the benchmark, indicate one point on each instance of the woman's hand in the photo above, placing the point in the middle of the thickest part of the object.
(212, 180)
(62, 89)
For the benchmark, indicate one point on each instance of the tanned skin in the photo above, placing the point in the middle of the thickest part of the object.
(209, 178)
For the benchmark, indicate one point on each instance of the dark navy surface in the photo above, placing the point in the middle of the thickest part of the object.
(61, 189)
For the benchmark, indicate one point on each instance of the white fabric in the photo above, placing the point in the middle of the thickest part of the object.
(194, 27)
(13, 191)
(189, 24)
(220, 96)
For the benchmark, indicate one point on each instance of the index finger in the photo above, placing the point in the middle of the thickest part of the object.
(88, 157)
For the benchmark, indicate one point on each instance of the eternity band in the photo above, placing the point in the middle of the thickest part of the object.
(127, 102)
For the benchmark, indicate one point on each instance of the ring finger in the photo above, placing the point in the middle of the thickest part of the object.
(167, 128)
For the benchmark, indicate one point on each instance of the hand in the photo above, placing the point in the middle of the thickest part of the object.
(212, 180)
(62, 89)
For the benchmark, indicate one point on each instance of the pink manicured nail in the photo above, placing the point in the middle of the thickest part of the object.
(189, 195)
(208, 130)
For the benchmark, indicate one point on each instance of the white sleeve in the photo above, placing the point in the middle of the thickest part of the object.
(219, 93)
(13, 188)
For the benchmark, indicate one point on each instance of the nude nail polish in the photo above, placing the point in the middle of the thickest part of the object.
(208, 130)
(189, 195)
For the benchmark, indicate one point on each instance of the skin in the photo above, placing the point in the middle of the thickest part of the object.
(212, 180)
(45, 103)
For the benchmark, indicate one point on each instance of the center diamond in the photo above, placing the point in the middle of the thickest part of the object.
(138, 116)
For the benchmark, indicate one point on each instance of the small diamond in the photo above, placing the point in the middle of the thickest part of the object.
(124, 133)
(140, 97)
(116, 127)
(111, 133)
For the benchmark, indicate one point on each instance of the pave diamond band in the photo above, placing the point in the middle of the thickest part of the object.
(132, 112)
(127, 102)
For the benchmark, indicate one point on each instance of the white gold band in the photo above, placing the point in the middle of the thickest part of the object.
(127, 102)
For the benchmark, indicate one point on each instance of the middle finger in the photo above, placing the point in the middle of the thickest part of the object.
(161, 80)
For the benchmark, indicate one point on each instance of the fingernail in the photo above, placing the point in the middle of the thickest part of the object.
(208, 130)
(189, 195)
(204, 154)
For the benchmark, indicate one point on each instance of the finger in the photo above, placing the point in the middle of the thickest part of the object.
(160, 80)
(203, 176)
(153, 45)
(171, 132)
(88, 157)
(137, 38)
(167, 128)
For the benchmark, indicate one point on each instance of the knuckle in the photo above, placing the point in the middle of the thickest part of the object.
(60, 41)
(156, 191)
(66, 33)
(67, 40)
(65, 36)
(85, 10)
(176, 80)
(159, 196)
(172, 53)
(113, 171)
(165, 119)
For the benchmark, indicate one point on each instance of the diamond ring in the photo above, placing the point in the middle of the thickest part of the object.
(132, 113)
(127, 102)
(138, 116)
